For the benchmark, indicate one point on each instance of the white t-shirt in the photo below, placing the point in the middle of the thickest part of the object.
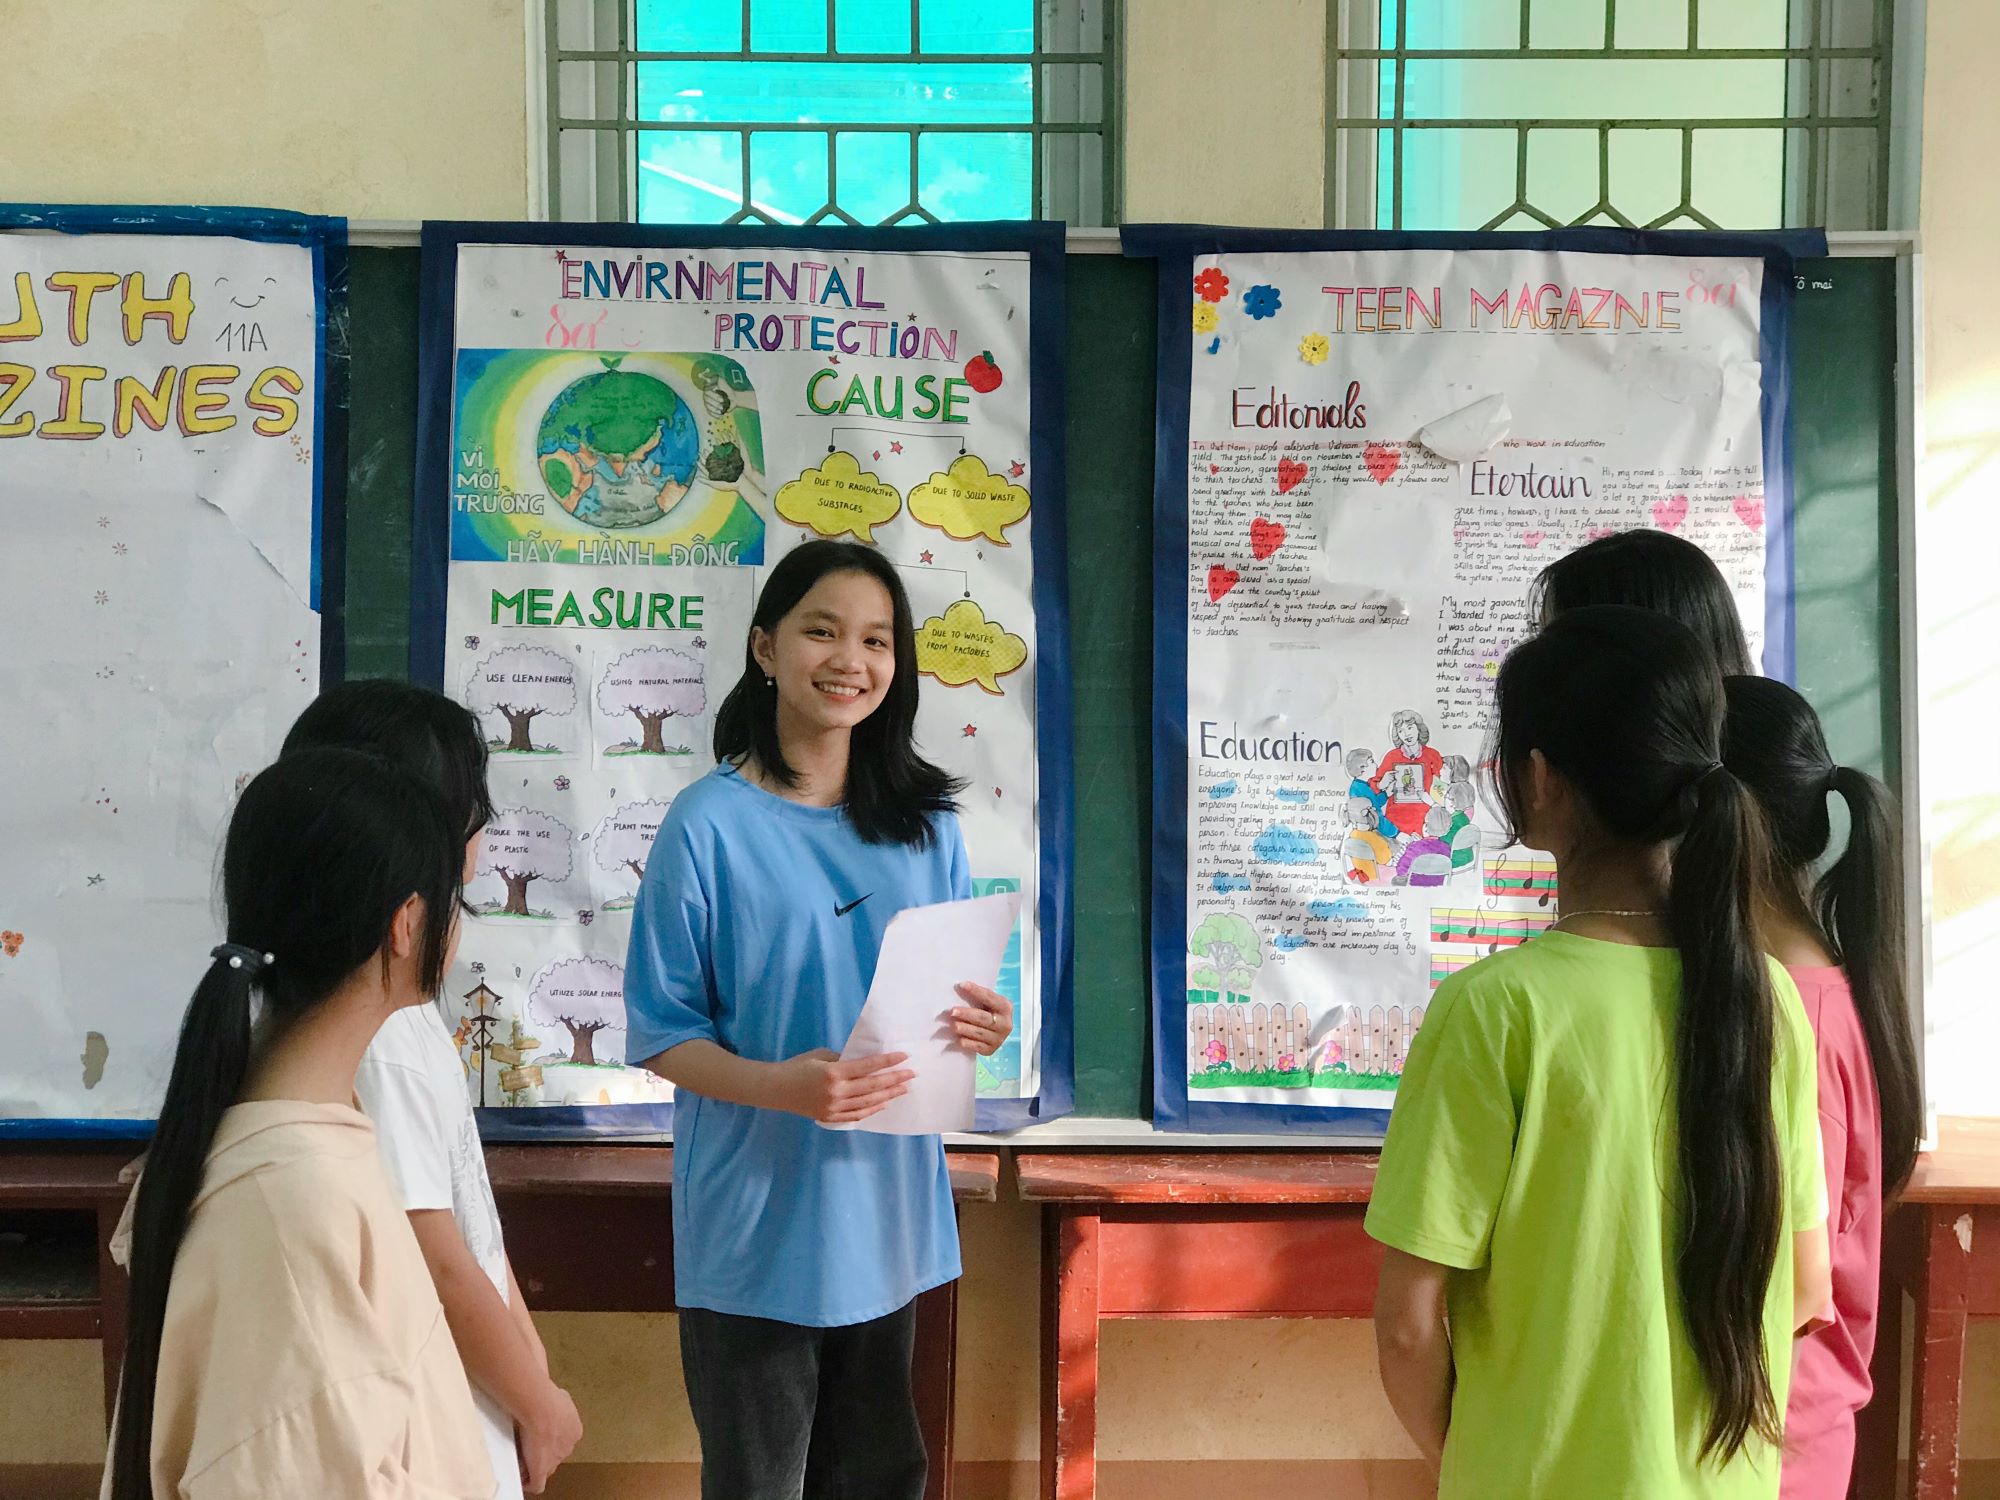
(412, 1085)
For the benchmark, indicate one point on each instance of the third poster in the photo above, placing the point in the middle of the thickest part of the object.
(1367, 456)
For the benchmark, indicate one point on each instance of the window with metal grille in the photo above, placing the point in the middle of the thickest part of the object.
(841, 111)
(1687, 114)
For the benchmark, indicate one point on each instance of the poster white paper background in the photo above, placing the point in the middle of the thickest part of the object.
(849, 440)
(155, 600)
(1352, 592)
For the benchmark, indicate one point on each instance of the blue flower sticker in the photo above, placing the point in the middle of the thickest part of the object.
(1261, 301)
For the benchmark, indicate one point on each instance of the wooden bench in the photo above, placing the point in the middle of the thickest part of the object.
(589, 1229)
(1941, 1245)
(1189, 1235)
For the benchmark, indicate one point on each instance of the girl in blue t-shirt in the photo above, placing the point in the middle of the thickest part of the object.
(799, 1251)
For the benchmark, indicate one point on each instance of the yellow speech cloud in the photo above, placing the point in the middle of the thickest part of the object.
(969, 500)
(962, 645)
(837, 499)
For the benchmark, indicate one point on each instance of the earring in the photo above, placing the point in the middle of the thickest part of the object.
(770, 682)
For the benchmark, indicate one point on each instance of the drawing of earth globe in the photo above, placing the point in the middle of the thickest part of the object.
(617, 448)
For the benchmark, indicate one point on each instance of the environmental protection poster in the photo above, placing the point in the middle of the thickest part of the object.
(1368, 451)
(165, 433)
(623, 429)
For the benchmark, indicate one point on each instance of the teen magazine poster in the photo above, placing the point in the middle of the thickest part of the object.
(1368, 449)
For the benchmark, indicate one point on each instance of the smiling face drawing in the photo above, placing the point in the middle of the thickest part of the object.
(254, 294)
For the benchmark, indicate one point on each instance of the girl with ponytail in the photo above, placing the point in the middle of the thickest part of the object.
(1603, 1164)
(1841, 936)
(283, 1334)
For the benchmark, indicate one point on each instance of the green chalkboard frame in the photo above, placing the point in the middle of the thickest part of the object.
(1853, 467)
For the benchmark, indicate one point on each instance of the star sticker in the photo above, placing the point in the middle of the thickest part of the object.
(1016, 469)
(895, 447)
(118, 549)
(971, 730)
(923, 557)
(104, 523)
(102, 597)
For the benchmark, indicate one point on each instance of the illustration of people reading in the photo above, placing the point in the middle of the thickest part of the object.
(1408, 772)
(1359, 763)
(1367, 853)
(1462, 834)
(1453, 769)
(1426, 861)
(618, 448)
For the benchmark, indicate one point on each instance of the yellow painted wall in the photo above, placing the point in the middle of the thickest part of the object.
(412, 110)
(368, 108)
(1225, 117)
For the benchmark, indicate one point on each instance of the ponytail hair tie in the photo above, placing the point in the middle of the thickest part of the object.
(242, 956)
(1715, 768)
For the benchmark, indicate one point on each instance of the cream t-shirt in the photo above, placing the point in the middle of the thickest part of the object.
(304, 1351)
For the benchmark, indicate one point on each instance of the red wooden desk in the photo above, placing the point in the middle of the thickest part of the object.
(1190, 1235)
(1941, 1246)
(78, 1178)
(590, 1229)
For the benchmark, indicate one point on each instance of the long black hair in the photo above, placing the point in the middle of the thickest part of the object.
(1774, 742)
(1627, 706)
(892, 793)
(1653, 570)
(325, 846)
(420, 730)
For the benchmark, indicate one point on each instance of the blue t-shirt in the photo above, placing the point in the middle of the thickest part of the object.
(758, 925)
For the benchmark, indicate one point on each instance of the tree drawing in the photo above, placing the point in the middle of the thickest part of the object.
(624, 839)
(653, 685)
(1231, 951)
(583, 995)
(518, 683)
(521, 846)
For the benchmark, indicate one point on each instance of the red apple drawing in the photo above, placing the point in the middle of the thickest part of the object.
(982, 374)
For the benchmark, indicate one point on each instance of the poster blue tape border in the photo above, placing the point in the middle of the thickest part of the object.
(430, 557)
(1175, 247)
(326, 239)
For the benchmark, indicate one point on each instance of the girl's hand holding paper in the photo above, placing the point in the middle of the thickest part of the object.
(921, 1005)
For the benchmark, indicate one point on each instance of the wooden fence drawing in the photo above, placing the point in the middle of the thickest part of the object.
(1261, 1038)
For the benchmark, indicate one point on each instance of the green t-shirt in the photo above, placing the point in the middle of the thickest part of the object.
(1532, 1149)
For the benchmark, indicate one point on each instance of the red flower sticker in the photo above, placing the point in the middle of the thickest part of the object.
(1211, 285)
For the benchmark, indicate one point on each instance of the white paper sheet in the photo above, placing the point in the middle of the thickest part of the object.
(926, 953)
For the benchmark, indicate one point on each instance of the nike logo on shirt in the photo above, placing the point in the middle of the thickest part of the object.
(841, 911)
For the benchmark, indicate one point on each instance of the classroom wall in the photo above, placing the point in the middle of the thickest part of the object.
(1961, 687)
(1225, 117)
(1223, 122)
(367, 108)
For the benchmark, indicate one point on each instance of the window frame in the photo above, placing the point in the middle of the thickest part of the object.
(1819, 167)
(612, 162)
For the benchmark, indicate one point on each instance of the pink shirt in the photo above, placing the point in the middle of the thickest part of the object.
(1830, 1368)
